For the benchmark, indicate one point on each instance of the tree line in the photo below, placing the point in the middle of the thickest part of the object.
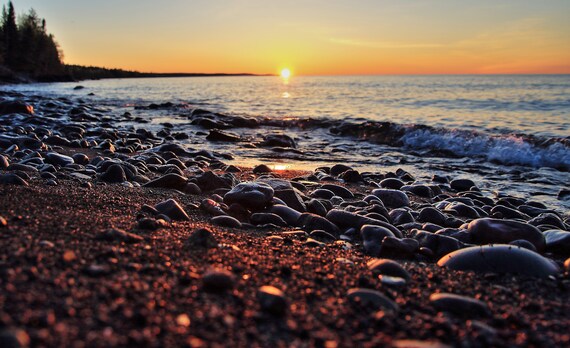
(26, 48)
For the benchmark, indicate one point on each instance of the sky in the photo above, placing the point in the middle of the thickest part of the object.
(312, 37)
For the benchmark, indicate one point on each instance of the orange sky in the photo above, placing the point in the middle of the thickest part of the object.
(315, 37)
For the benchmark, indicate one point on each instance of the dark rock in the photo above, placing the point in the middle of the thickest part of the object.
(226, 221)
(392, 183)
(267, 218)
(372, 237)
(338, 169)
(4, 162)
(433, 215)
(220, 135)
(217, 281)
(523, 244)
(557, 241)
(488, 231)
(202, 238)
(12, 179)
(291, 198)
(462, 209)
(392, 198)
(114, 174)
(192, 189)
(388, 267)
(462, 306)
(14, 338)
(440, 245)
(272, 300)
(401, 216)
(209, 181)
(322, 193)
(371, 299)
(338, 190)
(261, 169)
(15, 107)
(461, 184)
(499, 259)
(316, 207)
(253, 195)
(345, 219)
(171, 181)
(508, 213)
(212, 207)
(172, 209)
(279, 140)
(310, 222)
(289, 215)
(58, 159)
(398, 248)
(548, 219)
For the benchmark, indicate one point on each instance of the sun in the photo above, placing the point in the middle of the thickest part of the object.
(285, 73)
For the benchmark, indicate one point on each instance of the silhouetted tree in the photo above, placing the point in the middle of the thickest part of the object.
(10, 36)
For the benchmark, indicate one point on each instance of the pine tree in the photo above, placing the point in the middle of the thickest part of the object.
(10, 36)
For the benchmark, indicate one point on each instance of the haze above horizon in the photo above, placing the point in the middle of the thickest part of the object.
(334, 37)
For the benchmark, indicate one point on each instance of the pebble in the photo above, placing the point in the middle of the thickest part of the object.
(253, 195)
(3, 222)
(226, 221)
(310, 222)
(345, 219)
(371, 299)
(557, 241)
(488, 231)
(392, 198)
(218, 281)
(459, 305)
(58, 159)
(14, 338)
(171, 181)
(114, 174)
(267, 218)
(461, 184)
(499, 259)
(272, 300)
(12, 179)
(388, 267)
(398, 248)
(118, 235)
(372, 237)
(172, 209)
(338, 190)
(202, 238)
(439, 244)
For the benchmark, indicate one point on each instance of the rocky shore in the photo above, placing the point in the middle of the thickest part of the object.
(118, 234)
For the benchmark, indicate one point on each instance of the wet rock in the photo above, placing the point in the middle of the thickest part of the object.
(462, 306)
(508, 213)
(322, 194)
(462, 209)
(117, 235)
(217, 281)
(202, 238)
(4, 162)
(392, 198)
(279, 140)
(557, 241)
(338, 169)
(392, 183)
(548, 219)
(499, 259)
(172, 209)
(371, 299)
(401, 216)
(388, 267)
(209, 181)
(523, 244)
(272, 300)
(461, 184)
(440, 245)
(488, 231)
(289, 215)
(292, 198)
(310, 222)
(316, 207)
(58, 159)
(226, 221)
(433, 215)
(345, 219)
(171, 181)
(253, 195)
(220, 135)
(372, 237)
(15, 107)
(267, 218)
(338, 190)
(114, 174)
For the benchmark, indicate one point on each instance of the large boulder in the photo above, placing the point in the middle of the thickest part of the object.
(489, 231)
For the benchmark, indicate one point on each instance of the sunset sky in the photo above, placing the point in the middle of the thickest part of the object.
(313, 37)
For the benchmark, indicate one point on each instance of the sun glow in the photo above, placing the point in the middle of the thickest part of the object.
(285, 73)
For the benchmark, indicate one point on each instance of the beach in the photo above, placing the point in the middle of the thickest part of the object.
(118, 230)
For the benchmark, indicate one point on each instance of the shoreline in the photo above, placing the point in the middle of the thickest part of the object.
(106, 258)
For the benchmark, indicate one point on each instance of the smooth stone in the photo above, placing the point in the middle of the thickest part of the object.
(548, 219)
(289, 215)
(114, 174)
(15, 107)
(80, 158)
(462, 209)
(462, 184)
(322, 236)
(58, 159)
(226, 221)
(489, 231)
(12, 179)
(387, 267)
(118, 235)
(225, 136)
(22, 167)
(391, 281)
(172, 209)
(338, 190)
(291, 198)
(202, 238)
(253, 195)
(523, 244)
(261, 169)
(322, 194)
(433, 215)
(440, 245)
(4, 163)
(3, 222)
(392, 198)
(310, 222)
(212, 207)
(372, 237)
(278, 140)
(499, 259)
(557, 241)
(171, 181)
(345, 219)
(392, 183)
(398, 248)
(508, 213)
(272, 300)
(217, 281)
(316, 207)
(400, 216)
(267, 218)
(338, 169)
(371, 299)
(459, 305)
(209, 181)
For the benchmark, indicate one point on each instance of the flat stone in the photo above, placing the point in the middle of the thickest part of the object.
(387, 267)
(499, 259)
(338, 190)
(345, 219)
(489, 231)
(310, 222)
(226, 221)
(557, 241)
(171, 181)
(118, 235)
(459, 305)
(253, 195)
(58, 159)
(440, 245)
(12, 179)
(289, 215)
(371, 299)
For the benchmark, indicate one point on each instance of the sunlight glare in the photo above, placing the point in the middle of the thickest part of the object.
(285, 73)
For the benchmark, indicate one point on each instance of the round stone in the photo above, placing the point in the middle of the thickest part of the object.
(371, 299)
(459, 305)
(392, 198)
(488, 231)
(272, 300)
(172, 209)
(217, 281)
(253, 195)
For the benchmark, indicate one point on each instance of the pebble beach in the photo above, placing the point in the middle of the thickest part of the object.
(118, 232)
